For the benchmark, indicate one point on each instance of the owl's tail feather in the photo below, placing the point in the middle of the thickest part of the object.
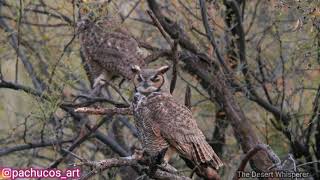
(203, 158)
(204, 154)
(202, 170)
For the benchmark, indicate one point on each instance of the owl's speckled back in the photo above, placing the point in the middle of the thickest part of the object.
(108, 47)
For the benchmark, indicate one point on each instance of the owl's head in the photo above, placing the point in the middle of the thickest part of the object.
(94, 9)
(147, 81)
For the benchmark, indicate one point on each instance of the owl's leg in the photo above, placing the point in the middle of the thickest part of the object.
(166, 156)
(100, 80)
(99, 83)
(202, 170)
(170, 152)
(138, 153)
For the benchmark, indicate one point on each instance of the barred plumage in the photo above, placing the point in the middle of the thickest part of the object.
(164, 123)
(109, 49)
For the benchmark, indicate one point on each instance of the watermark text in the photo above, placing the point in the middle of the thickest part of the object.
(14, 173)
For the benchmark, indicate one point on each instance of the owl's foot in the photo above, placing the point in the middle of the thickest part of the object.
(99, 81)
(138, 154)
(98, 85)
(167, 167)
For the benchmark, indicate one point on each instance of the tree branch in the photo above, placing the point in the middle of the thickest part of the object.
(209, 33)
(5, 151)
(134, 161)
(13, 40)
(102, 111)
(248, 156)
(18, 87)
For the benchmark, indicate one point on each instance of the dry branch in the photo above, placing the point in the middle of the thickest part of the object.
(13, 41)
(7, 150)
(209, 32)
(102, 111)
(174, 50)
(134, 160)
(247, 157)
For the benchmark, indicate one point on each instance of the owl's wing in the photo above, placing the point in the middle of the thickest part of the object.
(115, 50)
(181, 131)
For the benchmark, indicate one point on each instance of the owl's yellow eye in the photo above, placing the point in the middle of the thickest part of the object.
(139, 78)
(156, 78)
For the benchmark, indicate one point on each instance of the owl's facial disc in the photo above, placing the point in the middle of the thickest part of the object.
(148, 81)
(147, 85)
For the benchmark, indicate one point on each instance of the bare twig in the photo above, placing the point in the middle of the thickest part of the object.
(13, 40)
(132, 9)
(29, 90)
(158, 25)
(209, 33)
(18, 43)
(187, 97)
(5, 151)
(254, 14)
(46, 25)
(175, 59)
(80, 140)
(60, 57)
(118, 91)
(174, 49)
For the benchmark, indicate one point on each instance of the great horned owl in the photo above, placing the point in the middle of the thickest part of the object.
(108, 48)
(163, 123)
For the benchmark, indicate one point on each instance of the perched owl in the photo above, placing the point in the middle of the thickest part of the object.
(108, 48)
(163, 123)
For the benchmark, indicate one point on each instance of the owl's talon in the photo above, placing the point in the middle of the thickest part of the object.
(138, 154)
(99, 81)
(167, 167)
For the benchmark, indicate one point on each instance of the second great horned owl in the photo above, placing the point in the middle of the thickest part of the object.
(163, 123)
(109, 49)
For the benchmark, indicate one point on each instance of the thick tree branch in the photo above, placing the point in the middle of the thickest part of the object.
(248, 156)
(134, 161)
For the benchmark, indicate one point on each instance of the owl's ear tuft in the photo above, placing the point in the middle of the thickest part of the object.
(163, 69)
(135, 69)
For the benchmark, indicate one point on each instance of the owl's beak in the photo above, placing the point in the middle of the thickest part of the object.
(145, 85)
